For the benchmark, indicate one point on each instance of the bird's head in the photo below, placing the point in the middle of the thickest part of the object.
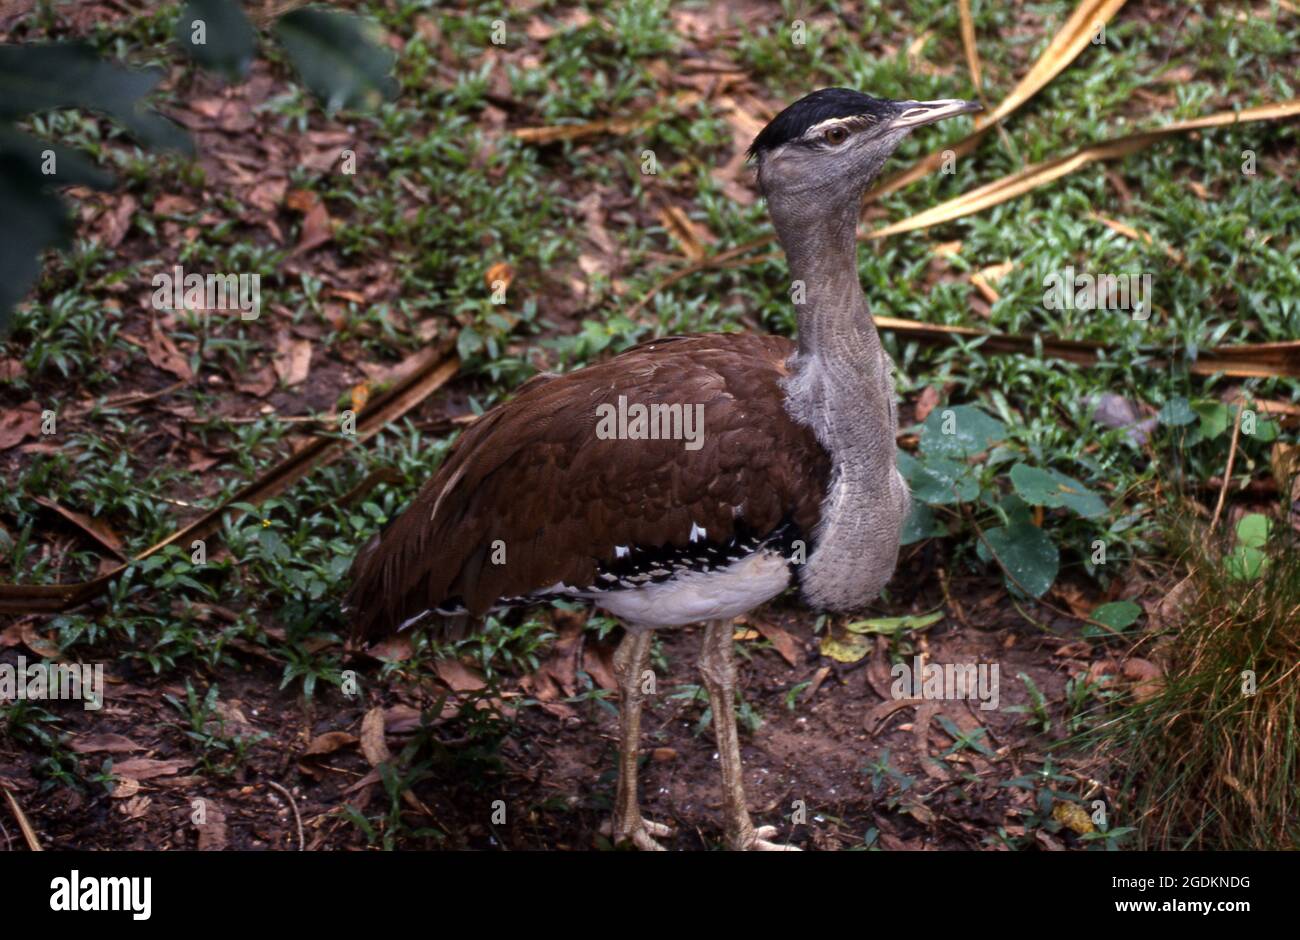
(833, 142)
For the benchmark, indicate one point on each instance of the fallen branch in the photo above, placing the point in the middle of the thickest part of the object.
(1227, 473)
(1247, 360)
(293, 804)
(1040, 174)
(28, 832)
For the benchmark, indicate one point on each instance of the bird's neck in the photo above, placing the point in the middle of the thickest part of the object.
(835, 326)
(841, 371)
(842, 388)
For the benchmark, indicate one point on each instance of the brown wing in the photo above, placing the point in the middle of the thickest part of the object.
(532, 478)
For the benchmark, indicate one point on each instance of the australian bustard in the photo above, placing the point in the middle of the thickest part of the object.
(791, 477)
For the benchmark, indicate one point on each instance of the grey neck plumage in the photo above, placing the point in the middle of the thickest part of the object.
(841, 386)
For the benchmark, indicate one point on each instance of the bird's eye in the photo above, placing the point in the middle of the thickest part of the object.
(835, 135)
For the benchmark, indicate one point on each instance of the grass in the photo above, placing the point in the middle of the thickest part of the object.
(487, 197)
(1213, 759)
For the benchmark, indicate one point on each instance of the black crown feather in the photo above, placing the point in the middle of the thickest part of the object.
(812, 109)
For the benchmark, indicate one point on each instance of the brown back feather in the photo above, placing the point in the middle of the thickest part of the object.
(532, 473)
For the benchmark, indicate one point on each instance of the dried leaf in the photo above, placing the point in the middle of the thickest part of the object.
(212, 832)
(691, 236)
(1072, 38)
(259, 382)
(29, 834)
(968, 44)
(1146, 676)
(136, 807)
(144, 768)
(1072, 816)
(848, 649)
(117, 221)
(1040, 174)
(106, 743)
(19, 423)
(558, 675)
(373, 745)
(551, 134)
(499, 276)
(292, 359)
(1133, 234)
(317, 229)
(926, 402)
(99, 531)
(783, 642)
(301, 200)
(170, 204)
(458, 676)
(125, 788)
(162, 352)
(267, 195)
(1168, 612)
(393, 648)
(597, 663)
(329, 742)
(36, 642)
(403, 719)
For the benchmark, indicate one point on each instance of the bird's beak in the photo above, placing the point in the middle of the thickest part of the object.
(916, 113)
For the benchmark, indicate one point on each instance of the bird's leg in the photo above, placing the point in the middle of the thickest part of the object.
(718, 669)
(629, 663)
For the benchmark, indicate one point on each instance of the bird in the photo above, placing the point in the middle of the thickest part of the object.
(688, 479)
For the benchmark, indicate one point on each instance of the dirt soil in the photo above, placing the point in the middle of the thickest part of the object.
(552, 763)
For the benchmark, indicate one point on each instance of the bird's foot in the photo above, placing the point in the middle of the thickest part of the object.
(640, 832)
(759, 840)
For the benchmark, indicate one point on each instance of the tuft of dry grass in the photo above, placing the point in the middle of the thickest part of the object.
(1213, 761)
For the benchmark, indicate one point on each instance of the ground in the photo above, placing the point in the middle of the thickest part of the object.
(236, 716)
(554, 766)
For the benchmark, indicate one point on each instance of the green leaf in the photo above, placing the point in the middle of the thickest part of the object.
(33, 220)
(1117, 615)
(37, 77)
(1246, 563)
(337, 58)
(226, 41)
(1247, 560)
(1214, 416)
(1040, 487)
(959, 431)
(40, 76)
(937, 481)
(1265, 431)
(921, 524)
(1252, 530)
(888, 626)
(1015, 508)
(33, 158)
(273, 547)
(1027, 553)
(1177, 412)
